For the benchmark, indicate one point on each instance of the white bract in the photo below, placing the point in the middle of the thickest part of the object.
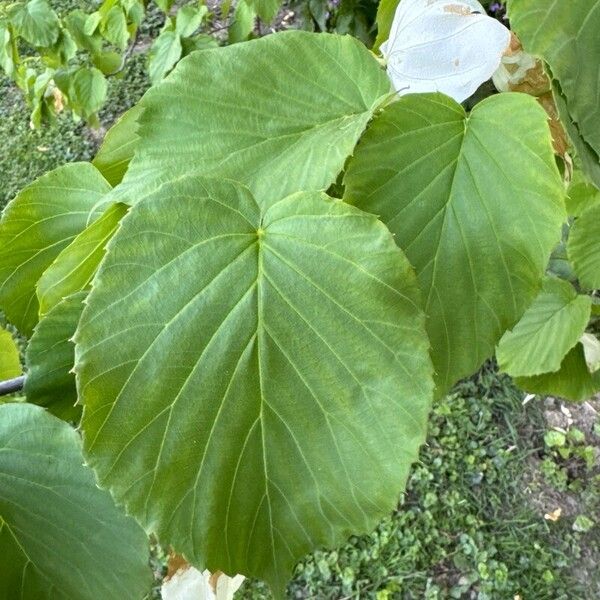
(443, 46)
(189, 583)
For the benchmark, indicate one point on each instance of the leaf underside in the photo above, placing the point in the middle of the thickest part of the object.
(281, 114)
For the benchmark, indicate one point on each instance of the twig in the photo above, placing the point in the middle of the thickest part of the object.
(10, 386)
(221, 27)
(127, 54)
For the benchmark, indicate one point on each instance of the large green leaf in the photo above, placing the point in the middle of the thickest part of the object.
(584, 247)
(280, 114)
(266, 363)
(35, 21)
(572, 381)
(60, 536)
(118, 146)
(565, 35)
(10, 362)
(42, 220)
(50, 357)
(74, 267)
(550, 327)
(476, 202)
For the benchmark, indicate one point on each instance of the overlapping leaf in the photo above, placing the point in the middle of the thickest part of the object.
(60, 536)
(280, 114)
(550, 327)
(118, 146)
(565, 35)
(584, 247)
(50, 358)
(266, 363)
(42, 220)
(572, 381)
(74, 268)
(476, 219)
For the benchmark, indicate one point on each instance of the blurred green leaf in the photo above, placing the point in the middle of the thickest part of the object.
(35, 21)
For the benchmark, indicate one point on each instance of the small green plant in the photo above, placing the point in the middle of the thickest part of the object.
(567, 448)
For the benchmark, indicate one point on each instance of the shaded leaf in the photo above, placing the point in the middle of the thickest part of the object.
(108, 62)
(572, 381)
(50, 357)
(584, 247)
(265, 9)
(118, 146)
(76, 22)
(201, 41)
(242, 25)
(565, 35)
(42, 220)
(60, 536)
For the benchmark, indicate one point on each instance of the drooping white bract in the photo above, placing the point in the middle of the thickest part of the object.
(449, 46)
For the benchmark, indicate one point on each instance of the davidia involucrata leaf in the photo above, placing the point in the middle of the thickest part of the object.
(265, 363)
(476, 219)
(61, 537)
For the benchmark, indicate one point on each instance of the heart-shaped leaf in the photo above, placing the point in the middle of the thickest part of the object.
(266, 363)
(477, 221)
